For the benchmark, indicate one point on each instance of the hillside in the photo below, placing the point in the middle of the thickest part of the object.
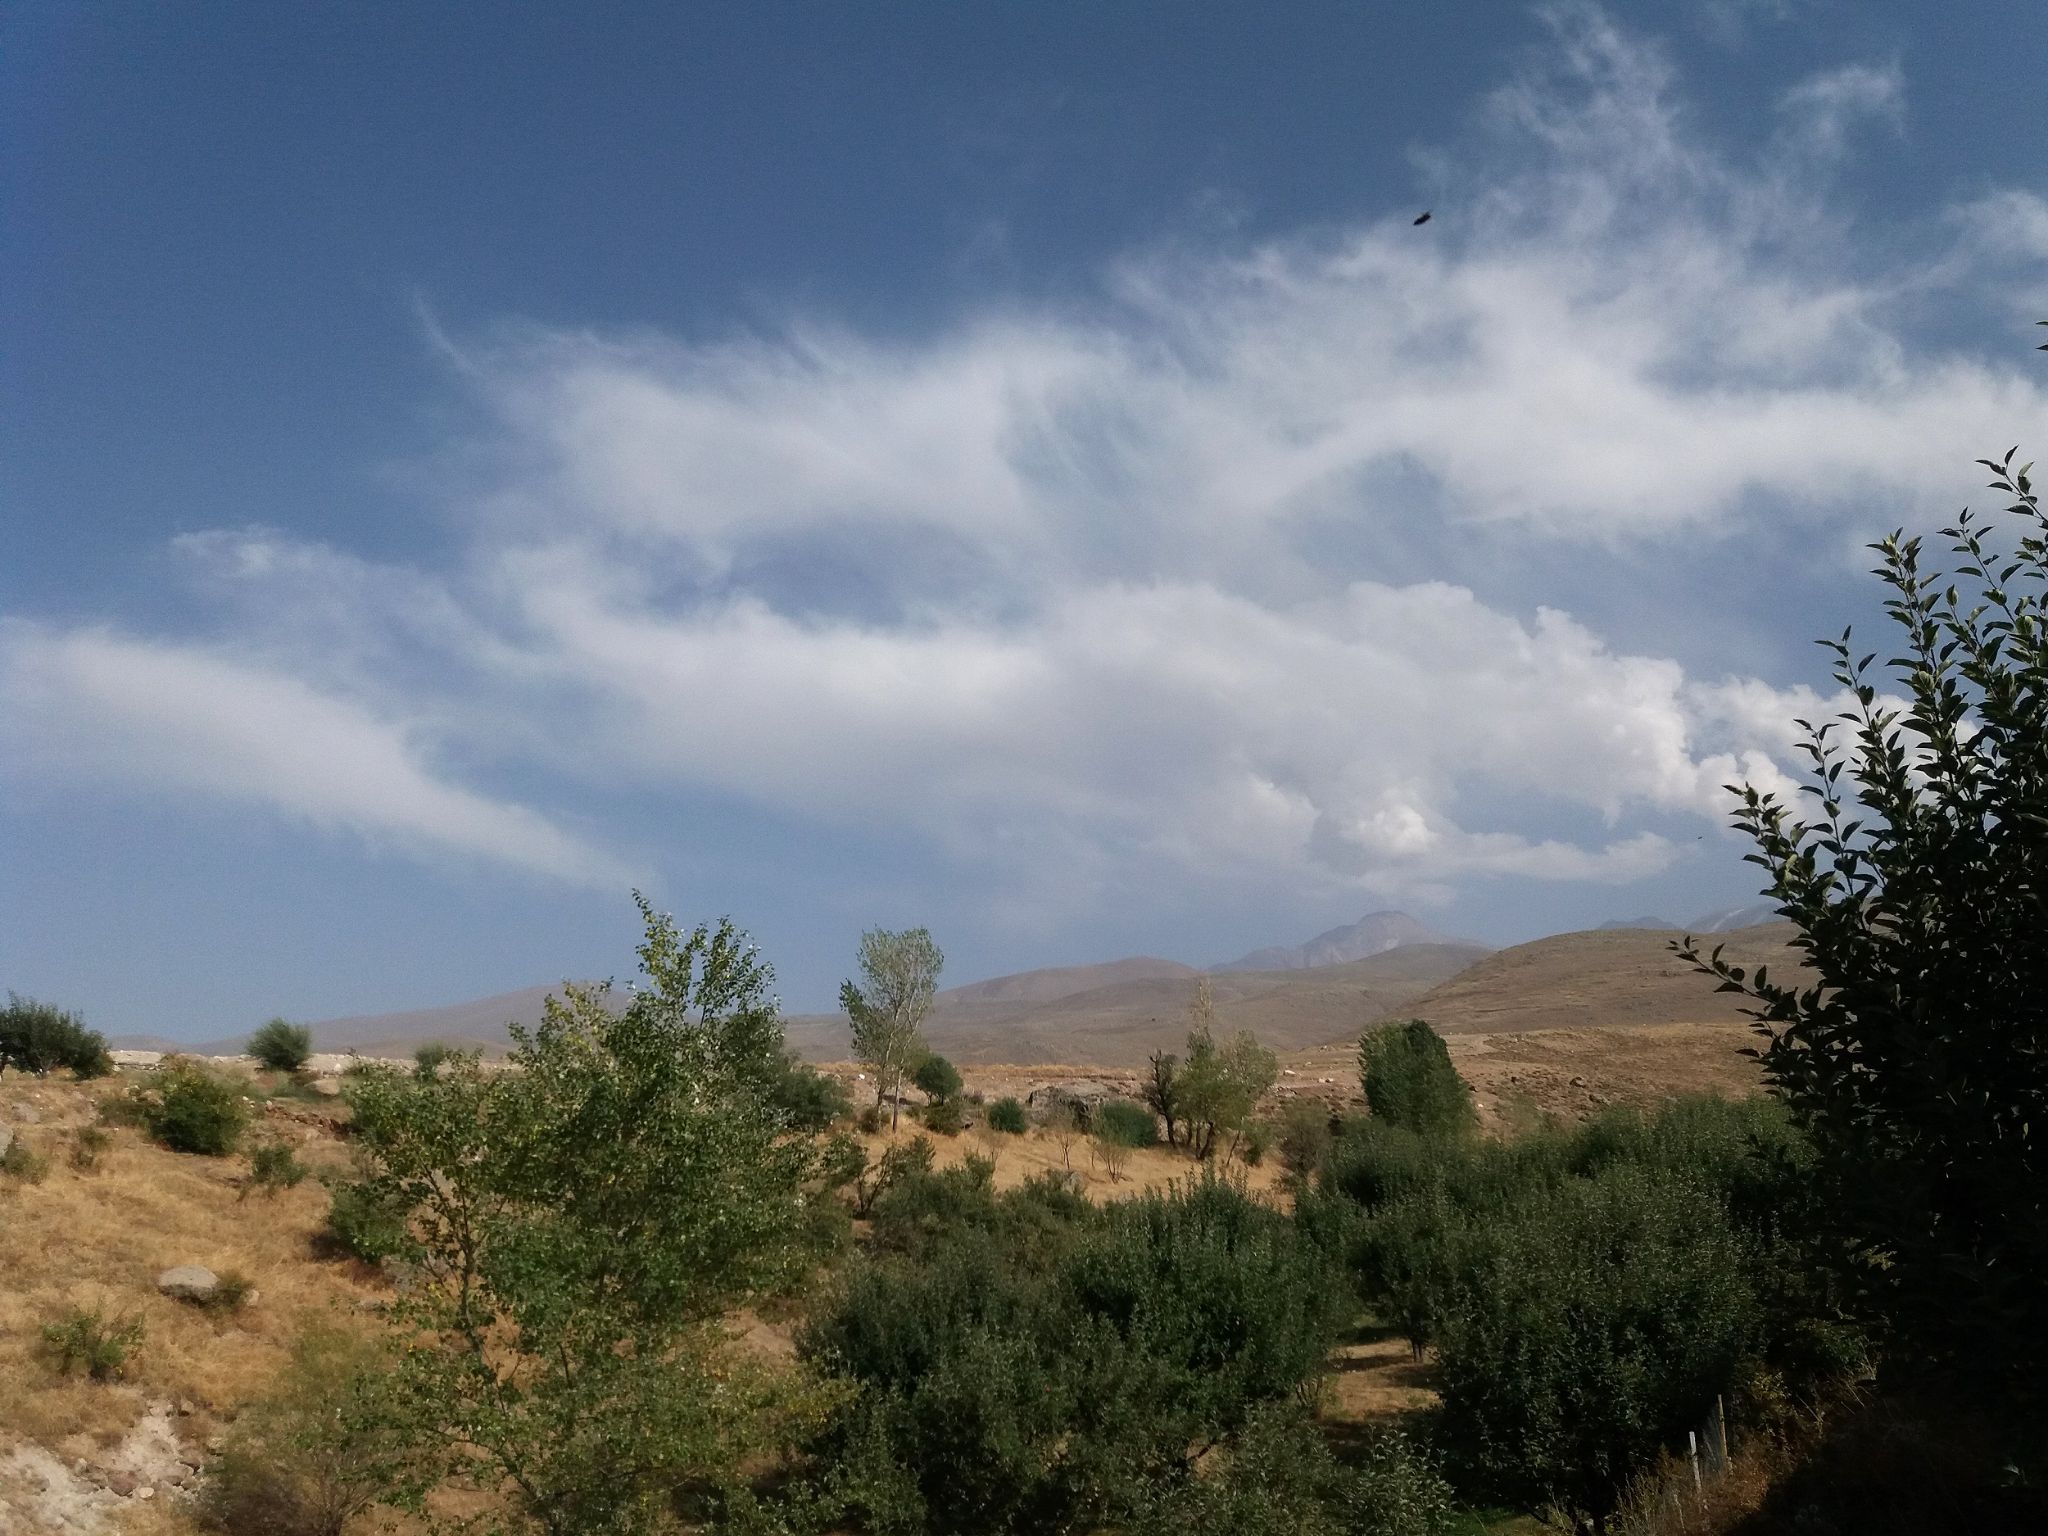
(1120, 1024)
(1601, 979)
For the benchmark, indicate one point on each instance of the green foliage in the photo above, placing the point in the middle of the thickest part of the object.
(806, 1098)
(1304, 1136)
(1581, 1339)
(578, 1224)
(1588, 1291)
(274, 1166)
(937, 1078)
(322, 1448)
(39, 1038)
(1035, 1364)
(368, 1222)
(1409, 1081)
(887, 1007)
(430, 1058)
(1007, 1115)
(1126, 1124)
(1219, 1086)
(1913, 1051)
(91, 1340)
(282, 1045)
(1278, 1478)
(945, 1116)
(189, 1108)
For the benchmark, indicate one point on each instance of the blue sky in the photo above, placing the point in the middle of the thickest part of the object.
(1014, 468)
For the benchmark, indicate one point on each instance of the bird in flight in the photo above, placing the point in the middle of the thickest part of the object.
(1423, 219)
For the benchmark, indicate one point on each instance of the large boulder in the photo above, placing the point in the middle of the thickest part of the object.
(189, 1282)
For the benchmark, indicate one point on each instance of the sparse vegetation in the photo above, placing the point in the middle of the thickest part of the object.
(40, 1038)
(274, 1166)
(88, 1145)
(281, 1045)
(22, 1163)
(87, 1339)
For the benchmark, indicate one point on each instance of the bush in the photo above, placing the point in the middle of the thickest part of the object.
(1406, 1073)
(93, 1341)
(39, 1038)
(317, 1451)
(807, 1097)
(937, 1078)
(1278, 1478)
(88, 1145)
(1039, 1365)
(1007, 1115)
(944, 1116)
(1254, 1142)
(1126, 1124)
(869, 1120)
(275, 1166)
(430, 1058)
(282, 1045)
(190, 1109)
(368, 1223)
(23, 1163)
(1304, 1136)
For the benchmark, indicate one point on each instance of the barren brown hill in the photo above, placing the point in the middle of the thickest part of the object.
(1598, 980)
(1120, 1024)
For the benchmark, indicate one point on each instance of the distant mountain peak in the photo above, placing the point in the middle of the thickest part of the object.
(1373, 934)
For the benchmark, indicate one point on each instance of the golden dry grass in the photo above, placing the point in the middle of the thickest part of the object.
(101, 1238)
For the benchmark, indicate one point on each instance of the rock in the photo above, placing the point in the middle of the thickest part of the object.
(1287, 1072)
(189, 1282)
(123, 1483)
(145, 1492)
(6, 1140)
(1578, 1082)
(26, 1113)
(185, 1409)
(327, 1087)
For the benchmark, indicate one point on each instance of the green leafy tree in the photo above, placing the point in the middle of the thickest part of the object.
(282, 1045)
(39, 1038)
(937, 1078)
(1406, 1073)
(1917, 878)
(579, 1223)
(887, 1007)
(1219, 1085)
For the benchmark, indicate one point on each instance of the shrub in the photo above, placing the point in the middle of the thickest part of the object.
(937, 1077)
(944, 1116)
(275, 1166)
(1007, 1115)
(282, 1045)
(88, 1145)
(431, 1057)
(317, 1451)
(190, 1109)
(869, 1120)
(1406, 1073)
(1126, 1124)
(23, 1163)
(367, 1222)
(1254, 1142)
(39, 1038)
(92, 1340)
(807, 1097)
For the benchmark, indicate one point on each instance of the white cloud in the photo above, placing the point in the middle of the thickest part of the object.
(1145, 583)
(94, 702)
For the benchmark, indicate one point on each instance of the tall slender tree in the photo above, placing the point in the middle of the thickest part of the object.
(888, 1005)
